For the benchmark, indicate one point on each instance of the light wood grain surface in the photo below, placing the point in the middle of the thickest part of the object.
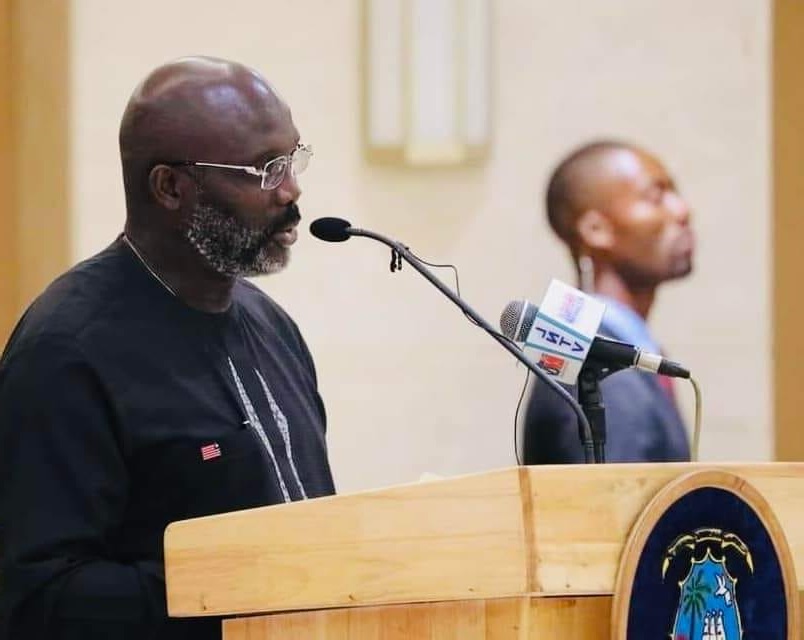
(499, 619)
(550, 531)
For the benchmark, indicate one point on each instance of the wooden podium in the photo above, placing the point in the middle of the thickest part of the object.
(514, 554)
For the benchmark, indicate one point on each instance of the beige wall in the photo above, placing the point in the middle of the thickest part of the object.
(410, 386)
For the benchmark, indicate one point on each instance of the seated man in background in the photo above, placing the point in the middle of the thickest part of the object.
(628, 231)
(151, 382)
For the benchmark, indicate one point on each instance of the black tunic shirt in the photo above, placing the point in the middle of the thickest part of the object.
(121, 410)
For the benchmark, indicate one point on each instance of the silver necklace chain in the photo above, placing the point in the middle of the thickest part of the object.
(145, 264)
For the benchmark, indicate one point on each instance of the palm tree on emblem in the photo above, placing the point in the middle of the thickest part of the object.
(694, 599)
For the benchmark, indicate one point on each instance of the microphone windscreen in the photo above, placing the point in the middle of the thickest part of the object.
(330, 229)
(509, 319)
(517, 319)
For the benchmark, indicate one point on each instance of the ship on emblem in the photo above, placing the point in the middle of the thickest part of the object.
(708, 603)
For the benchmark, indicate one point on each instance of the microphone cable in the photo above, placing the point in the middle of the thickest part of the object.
(519, 461)
(396, 266)
(696, 428)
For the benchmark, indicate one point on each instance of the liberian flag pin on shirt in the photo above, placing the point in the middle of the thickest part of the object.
(210, 451)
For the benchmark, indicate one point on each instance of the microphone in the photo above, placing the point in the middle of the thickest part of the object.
(331, 229)
(519, 316)
(340, 230)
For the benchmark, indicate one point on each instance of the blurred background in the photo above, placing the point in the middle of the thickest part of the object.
(711, 87)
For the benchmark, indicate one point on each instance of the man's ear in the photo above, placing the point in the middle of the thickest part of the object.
(163, 181)
(594, 230)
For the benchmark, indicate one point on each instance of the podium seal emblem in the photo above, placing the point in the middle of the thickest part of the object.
(706, 560)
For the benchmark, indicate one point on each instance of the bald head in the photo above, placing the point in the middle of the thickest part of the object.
(200, 109)
(578, 184)
(210, 161)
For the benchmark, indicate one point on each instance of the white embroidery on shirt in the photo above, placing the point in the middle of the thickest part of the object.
(282, 423)
(255, 424)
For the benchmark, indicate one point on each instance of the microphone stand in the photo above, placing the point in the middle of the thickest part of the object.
(592, 404)
(591, 401)
(402, 251)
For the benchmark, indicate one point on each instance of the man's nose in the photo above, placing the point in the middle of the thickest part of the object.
(679, 208)
(288, 190)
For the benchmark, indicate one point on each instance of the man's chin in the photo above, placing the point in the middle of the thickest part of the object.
(267, 265)
(681, 270)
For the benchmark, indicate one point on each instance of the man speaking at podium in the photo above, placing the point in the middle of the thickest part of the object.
(151, 383)
(628, 230)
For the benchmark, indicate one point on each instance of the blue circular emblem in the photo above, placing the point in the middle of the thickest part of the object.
(707, 560)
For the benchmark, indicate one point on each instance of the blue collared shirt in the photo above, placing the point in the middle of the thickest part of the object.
(628, 325)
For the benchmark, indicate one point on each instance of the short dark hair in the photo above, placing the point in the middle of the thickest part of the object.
(564, 190)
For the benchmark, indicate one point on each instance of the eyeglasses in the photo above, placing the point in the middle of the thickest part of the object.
(273, 172)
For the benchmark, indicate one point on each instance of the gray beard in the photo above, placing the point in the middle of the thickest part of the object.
(231, 248)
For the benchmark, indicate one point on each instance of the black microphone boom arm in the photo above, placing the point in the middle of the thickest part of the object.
(507, 344)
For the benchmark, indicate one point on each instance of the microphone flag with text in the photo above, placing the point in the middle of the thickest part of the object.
(559, 332)
(561, 336)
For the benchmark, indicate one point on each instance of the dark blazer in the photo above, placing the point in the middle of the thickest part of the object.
(642, 422)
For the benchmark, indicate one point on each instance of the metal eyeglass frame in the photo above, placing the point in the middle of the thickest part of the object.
(297, 160)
